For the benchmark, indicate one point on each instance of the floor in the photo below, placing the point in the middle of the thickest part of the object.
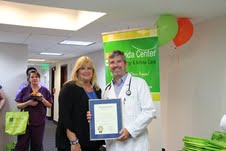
(49, 137)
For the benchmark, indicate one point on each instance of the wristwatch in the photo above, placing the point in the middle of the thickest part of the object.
(43, 100)
(74, 142)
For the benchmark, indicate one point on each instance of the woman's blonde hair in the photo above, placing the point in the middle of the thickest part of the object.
(80, 63)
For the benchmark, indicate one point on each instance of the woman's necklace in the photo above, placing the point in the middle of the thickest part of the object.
(35, 88)
(89, 91)
(88, 88)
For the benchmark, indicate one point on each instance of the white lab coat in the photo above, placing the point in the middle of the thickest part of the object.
(138, 111)
(223, 123)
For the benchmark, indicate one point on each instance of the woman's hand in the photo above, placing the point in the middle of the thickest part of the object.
(27, 103)
(32, 103)
(76, 147)
(88, 116)
(40, 99)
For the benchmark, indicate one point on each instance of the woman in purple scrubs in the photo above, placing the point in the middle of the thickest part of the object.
(34, 99)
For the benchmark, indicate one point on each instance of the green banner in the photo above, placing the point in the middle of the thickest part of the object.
(141, 50)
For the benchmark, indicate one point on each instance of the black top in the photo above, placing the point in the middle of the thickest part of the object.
(0, 86)
(73, 106)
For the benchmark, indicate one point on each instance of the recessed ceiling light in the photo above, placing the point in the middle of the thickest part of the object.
(45, 17)
(36, 59)
(77, 43)
(51, 54)
(30, 64)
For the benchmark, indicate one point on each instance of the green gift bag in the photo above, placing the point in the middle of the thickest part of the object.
(16, 122)
(10, 146)
(219, 136)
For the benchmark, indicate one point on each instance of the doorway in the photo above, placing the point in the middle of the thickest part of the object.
(53, 69)
(63, 75)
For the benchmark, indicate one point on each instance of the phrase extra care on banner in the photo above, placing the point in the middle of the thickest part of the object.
(140, 47)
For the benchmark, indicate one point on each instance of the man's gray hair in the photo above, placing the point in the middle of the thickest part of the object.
(117, 53)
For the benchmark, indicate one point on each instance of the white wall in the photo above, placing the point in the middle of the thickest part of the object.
(13, 64)
(193, 84)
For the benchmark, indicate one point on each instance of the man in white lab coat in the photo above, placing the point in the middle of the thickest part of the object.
(138, 109)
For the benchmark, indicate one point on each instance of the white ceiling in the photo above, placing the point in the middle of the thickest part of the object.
(121, 15)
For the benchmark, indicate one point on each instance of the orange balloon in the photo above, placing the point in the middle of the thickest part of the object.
(185, 31)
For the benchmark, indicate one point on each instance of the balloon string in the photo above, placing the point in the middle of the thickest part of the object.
(178, 59)
(177, 55)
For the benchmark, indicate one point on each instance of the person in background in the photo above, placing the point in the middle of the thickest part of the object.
(72, 133)
(2, 97)
(34, 98)
(25, 83)
(138, 109)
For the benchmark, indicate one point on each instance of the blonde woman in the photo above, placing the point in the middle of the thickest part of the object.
(72, 132)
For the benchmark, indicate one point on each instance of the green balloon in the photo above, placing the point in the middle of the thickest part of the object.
(167, 28)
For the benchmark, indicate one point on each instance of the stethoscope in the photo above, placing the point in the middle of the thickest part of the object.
(128, 92)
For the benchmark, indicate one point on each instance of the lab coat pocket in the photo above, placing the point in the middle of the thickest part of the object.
(131, 105)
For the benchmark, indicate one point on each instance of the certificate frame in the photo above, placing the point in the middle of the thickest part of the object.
(94, 135)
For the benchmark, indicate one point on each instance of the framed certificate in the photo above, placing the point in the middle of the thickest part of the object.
(106, 122)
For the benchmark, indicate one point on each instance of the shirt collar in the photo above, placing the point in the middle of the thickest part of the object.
(122, 80)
